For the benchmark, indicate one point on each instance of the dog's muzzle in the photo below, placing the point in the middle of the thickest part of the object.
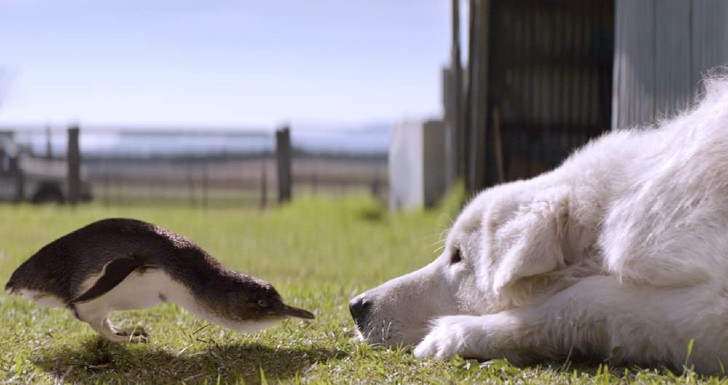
(359, 308)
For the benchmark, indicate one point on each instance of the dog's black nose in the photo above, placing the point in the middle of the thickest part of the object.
(359, 306)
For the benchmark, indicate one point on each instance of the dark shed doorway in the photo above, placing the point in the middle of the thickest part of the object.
(549, 82)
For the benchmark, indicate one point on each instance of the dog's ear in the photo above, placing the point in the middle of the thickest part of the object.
(530, 241)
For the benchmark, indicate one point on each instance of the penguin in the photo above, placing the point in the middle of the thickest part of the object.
(125, 264)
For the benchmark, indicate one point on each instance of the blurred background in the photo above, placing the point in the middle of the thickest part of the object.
(241, 103)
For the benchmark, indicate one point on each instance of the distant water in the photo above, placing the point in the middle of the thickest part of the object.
(368, 141)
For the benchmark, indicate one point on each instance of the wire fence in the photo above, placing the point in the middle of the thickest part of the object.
(200, 167)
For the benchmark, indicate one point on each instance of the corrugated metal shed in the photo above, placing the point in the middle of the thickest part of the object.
(663, 48)
(549, 68)
(545, 76)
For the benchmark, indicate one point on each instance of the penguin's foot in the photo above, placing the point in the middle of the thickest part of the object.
(133, 335)
(108, 331)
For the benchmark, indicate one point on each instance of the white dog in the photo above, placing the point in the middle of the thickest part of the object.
(620, 253)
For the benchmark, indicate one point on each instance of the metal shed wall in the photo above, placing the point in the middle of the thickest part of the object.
(663, 48)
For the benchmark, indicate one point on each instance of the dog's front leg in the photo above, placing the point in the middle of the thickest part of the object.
(490, 336)
(574, 321)
(453, 335)
(597, 318)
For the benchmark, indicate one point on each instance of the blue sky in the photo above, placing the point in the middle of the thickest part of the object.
(221, 62)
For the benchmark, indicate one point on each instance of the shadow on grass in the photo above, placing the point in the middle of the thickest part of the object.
(98, 361)
(577, 370)
(584, 366)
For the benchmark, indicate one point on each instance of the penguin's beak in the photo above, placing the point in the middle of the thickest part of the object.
(290, 311)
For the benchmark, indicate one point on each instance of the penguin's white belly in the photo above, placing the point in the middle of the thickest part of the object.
(42, 298)
(140, 290)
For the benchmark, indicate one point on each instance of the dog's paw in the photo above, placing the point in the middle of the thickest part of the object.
(448, 336)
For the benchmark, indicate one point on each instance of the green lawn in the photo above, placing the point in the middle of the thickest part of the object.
(318, 253)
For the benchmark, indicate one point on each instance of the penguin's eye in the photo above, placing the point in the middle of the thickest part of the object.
(262, 303)
(456, 256)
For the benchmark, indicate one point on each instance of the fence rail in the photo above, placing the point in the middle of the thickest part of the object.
(200, 167)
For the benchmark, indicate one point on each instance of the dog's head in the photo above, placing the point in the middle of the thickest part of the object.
(505, 249)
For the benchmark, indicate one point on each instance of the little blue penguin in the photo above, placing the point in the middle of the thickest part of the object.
(125, 264)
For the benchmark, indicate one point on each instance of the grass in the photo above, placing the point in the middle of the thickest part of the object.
(318, 253)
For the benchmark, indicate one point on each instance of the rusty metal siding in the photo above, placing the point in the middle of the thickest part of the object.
(662, 50)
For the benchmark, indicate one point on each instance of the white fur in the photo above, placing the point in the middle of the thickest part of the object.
(622, 251)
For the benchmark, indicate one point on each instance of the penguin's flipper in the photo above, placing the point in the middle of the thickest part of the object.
(114, 272)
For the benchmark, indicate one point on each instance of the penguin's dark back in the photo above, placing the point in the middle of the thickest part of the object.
(63, 264)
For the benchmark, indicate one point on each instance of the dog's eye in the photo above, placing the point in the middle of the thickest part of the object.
(455, 257)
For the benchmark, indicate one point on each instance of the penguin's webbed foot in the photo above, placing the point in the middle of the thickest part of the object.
(134, 335)
(108, 331)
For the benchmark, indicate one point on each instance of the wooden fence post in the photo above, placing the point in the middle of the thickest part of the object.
(205, 181)
(478, 65)
(74, 165)
(283, 156)
(458, 119)
(467, 114)
(49, 143)
(263, 183)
